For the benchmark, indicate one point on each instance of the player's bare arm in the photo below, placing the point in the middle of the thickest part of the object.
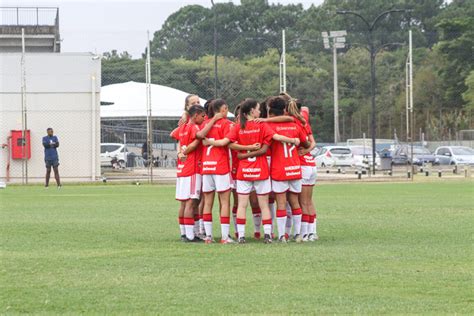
(202, 133)
(262, 151)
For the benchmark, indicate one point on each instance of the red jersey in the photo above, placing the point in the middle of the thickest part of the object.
(215, 160)
(308, 159)
(192, 164)
(255, 168)
(234, 159)
(285, 163)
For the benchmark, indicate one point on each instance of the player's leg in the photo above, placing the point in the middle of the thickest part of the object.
(224, 198)
(189, 219)
(262, 189)
(289, 219)
(207, 215)
(296, 212)
(208, 188)
(272, 206)
(305, 202)
(56, 173)
(48, 175)
(243, 189)
(280, 188)
(235, 198)
(256, 214)
(223, 187)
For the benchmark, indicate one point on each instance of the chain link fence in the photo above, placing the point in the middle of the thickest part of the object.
(217, 54)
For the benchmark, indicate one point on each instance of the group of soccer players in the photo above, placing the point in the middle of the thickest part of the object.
(262, 158)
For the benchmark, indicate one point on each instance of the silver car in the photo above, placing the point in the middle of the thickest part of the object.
(334, 156)
(455, 155)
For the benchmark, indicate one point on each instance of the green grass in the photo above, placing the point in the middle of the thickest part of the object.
(384, 248)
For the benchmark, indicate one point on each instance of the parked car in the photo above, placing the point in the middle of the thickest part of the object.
(113, 153)
(421, 155)
(334, 156)
(455, 155)
(363, 155)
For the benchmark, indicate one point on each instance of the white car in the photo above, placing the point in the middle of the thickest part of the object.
(334, 156)
(363, 155)
(109, 151)
(455, 155)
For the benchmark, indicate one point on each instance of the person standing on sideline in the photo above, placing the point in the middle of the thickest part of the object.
(51, 159)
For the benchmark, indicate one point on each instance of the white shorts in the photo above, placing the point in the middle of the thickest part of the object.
(188, 187)
(293, 186)
(261, 187)
(215, 182)
(309, 175)
(233, 183)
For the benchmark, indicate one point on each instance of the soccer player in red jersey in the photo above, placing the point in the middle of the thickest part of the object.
(216, 172)
(188, 182)
(252, 172)
(308, 171)
(286, 169)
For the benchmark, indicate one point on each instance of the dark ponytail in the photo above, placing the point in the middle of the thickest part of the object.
(245, 109)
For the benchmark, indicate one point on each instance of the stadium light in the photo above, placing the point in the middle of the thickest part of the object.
(370, 26)
(338, 41)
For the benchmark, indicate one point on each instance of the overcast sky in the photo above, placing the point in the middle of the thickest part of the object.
(99, 26)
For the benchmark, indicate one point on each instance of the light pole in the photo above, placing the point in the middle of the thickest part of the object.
(215, 49)
(370, 28)
(338, 41)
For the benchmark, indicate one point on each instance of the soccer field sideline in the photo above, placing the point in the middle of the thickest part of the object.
(115, 248)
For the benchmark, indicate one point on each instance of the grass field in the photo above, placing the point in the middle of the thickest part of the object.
(384, 248)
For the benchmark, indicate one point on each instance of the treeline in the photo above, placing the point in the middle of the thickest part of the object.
(248, 37)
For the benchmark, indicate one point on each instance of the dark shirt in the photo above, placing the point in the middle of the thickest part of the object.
(50, 144)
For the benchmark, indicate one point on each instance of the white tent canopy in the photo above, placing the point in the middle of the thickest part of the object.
(128, 101)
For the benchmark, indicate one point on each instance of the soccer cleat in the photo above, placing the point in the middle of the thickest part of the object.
(196, 239)
(282, 240)
(183, 238)
(201, 236)
(267, 239)
(256, 235)
(208, 240)
(305, 238)
(242, 240)
(60, 186)
(313, 237)
(227, 241)
(287, 237)
(297, 238)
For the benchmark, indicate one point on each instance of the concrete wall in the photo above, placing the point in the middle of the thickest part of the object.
(63, 92)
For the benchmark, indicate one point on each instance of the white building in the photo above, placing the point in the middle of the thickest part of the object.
(62, 92)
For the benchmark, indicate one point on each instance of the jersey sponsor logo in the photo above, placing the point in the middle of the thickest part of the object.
(251, 175)
(251, 169)
(250, 131)
(286, 128)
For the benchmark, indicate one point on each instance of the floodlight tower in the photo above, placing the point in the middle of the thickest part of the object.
(338, 41)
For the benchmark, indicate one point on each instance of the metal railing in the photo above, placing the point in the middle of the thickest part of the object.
(33, 16)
